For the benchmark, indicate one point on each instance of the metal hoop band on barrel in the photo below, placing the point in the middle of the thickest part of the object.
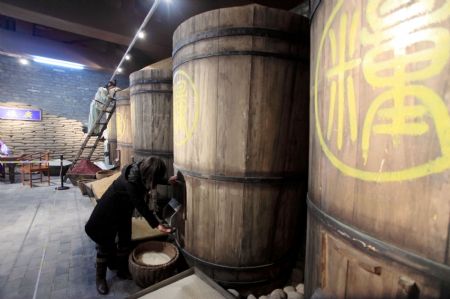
(377, 247)
(241, 179)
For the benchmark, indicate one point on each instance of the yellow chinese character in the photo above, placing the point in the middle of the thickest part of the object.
(185, 101)
(343, 61)
(404, 50)
(180, 103)
(28, 114)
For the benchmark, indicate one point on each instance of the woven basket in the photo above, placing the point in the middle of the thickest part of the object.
(104, 174)
(85, 190)
(146, 275)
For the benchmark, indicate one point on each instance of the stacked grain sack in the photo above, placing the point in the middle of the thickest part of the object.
(56, 134)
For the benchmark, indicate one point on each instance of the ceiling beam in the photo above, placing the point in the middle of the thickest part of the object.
(49, 21)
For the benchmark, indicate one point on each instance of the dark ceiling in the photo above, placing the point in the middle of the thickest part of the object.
(102, 29)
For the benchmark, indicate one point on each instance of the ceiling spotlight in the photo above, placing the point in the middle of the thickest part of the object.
(24, 61)
(141, 34)
(119, 69)
(127, 57)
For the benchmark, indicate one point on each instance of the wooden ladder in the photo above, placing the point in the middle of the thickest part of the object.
(100, 123)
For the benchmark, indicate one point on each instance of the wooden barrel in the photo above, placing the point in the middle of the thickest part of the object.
(241, 141)
(379, 186)
(151, 110)
(112, 138)
(124, 127)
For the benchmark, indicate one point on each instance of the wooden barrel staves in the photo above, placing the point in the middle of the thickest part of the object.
(124, 127)
(241, 140)
(379, 187)
(112, 138)
(151, 109)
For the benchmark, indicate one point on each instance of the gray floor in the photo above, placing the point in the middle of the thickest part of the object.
(44, 251)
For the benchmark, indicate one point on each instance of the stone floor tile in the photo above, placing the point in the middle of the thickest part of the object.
(32, 220)
(59, 294)
(43, 292)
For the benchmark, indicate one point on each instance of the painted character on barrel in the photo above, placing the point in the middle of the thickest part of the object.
(111, 216)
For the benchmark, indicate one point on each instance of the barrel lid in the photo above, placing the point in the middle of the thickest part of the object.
(165, 64)
(247, 16)
(123, 95)
(159, 72)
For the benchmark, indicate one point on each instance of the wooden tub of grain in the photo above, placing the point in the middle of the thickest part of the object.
(104, 174)
(152, 261)
(85, 190)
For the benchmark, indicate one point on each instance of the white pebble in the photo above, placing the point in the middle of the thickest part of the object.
(278, 294)
(234, 292)
(251, 296)
(300, 288)
(294, 295)
(263, 297)
(289, 289)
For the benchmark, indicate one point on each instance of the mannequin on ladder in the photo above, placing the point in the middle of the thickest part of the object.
(109, 90)
(101, 96)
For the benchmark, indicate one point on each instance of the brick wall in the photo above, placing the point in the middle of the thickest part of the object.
(58, 91)
(59, 135)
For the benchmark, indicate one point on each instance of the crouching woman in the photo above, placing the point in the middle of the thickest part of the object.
(110, 220)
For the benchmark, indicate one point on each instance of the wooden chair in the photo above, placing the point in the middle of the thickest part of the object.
(27, 168)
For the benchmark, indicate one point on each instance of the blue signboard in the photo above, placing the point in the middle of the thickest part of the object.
(20, 113)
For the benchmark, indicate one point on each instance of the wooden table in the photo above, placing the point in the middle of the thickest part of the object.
(10, 166)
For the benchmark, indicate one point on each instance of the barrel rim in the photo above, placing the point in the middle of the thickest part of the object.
(283, 259)
(283, 56)
(267, 274)
(149, 72)
(150, 152)
(298, 177)
(123, 102)
(122, 94)
(147, 91)
(236, 31)
(377, 247)
(125, 144)
(294, 15)
(140, 81)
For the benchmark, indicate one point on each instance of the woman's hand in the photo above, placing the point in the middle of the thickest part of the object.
(173, 180)
(164, 229)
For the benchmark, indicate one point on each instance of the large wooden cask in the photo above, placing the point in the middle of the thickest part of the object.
(151, 110)
(124, 127)
(241, 141)
(112, 138)
(379, 180)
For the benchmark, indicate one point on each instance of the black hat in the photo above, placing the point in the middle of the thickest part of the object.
(111, 83)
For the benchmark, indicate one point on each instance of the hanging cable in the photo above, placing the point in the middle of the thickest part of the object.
(136, 36)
